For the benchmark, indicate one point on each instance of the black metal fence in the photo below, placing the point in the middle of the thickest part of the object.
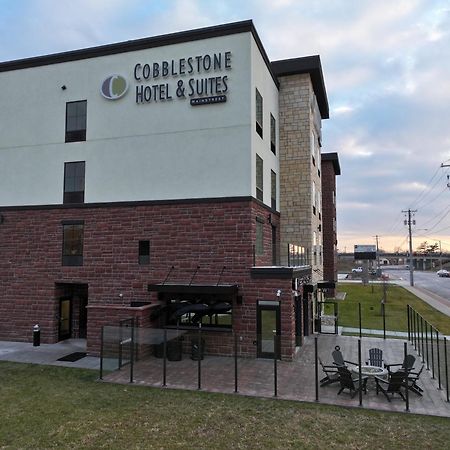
(181, 358)
(431, 346)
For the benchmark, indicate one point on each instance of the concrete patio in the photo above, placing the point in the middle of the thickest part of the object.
(296, 380)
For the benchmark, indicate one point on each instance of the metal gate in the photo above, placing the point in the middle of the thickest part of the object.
(327, 316)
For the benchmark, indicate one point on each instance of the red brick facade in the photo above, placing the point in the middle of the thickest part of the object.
(186, 235)
(330, 168)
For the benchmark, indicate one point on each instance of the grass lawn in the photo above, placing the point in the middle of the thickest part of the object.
(395, 309)
(47, 407)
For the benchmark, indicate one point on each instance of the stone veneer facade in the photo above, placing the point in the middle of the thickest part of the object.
(299, 169)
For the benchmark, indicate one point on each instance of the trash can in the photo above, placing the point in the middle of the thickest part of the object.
(36, 336)
(174, 350)
(197, 353)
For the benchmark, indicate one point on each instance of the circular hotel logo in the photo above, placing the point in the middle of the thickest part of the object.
(114, 87)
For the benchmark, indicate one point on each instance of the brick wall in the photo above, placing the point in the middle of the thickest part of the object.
(186, 235)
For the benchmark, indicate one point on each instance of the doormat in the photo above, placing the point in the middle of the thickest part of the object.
(73, 357)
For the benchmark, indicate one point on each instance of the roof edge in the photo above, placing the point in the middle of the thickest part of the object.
(334, 158)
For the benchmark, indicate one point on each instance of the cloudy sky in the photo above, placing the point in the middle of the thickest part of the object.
(387, 73)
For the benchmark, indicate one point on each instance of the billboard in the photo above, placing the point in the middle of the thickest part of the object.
(365, 252)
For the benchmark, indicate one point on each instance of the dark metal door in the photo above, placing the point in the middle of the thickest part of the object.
(65, 318)
(268, 325)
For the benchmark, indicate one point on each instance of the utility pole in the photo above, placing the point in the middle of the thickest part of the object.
(410, 222)
(378, 254)
(440, 255)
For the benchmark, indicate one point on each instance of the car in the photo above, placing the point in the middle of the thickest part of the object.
(443, 273)
(357, 270)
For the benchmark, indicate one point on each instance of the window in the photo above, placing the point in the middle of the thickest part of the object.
(313, 147)
(273, 135)
(273, 182)
(76, 121)
(313, 195)
(73, 232)
(74, 182)
(259, 113)
(259, 178)
(259, 243)
(144, 252)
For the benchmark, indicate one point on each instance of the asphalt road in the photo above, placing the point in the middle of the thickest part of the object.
(426, 280)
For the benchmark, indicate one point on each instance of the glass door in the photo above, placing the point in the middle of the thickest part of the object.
(65, 318)
(268, 325)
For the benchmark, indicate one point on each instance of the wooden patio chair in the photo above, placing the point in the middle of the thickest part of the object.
(351, 383)
(338, 359)
(331, 374)
(413, 378)
(407, 364)
(375, 357)
(392, 386)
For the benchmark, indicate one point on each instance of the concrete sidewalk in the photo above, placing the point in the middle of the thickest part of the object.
(24, 352)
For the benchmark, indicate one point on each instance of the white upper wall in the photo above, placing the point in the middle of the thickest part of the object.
(263, 81)
(160, 150)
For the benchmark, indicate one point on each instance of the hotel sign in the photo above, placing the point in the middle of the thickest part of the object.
(202, 79)
(365, 252)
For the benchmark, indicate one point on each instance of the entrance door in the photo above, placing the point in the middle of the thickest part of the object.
(298, 322)
(82, 331)
(65, 318)
(268, 324)
(328, 316)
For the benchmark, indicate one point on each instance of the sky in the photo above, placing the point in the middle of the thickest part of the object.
(386, 67)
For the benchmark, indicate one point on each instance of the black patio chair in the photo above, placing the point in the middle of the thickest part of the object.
(393, 385)
(413, 378)
(331, 374)
(375, 357)
(407, 364)
(351, 383)
(338, 359)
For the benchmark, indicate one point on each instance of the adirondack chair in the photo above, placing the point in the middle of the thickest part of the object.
(338, 359)
(351, 383)
(392, 386)
(375, 357)
(413, 377)
(407, 364)
(331, 374)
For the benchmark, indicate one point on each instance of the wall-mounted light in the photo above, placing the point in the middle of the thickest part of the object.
(63, 87)
(279, 293)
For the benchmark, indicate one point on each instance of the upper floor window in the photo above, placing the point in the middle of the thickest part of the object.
(259, 178)
(313, 147)
(273, 190)
(76, 121)
(74, 182)
(144, 252)
(273, 134)
(259, 113)
(314, 198)
(73, 234)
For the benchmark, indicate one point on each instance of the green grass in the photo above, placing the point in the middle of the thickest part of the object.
(395, 309)
(54, 407)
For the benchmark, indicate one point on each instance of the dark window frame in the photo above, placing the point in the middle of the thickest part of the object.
(69, 195)
(72, 252)
(76, 133)
(259, 113)
(273, 134)
(144, 252)
(259, 177)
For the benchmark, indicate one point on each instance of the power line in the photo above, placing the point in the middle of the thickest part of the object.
(425, 188)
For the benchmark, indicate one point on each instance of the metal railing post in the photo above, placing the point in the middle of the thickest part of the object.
(132, 354)
(432, 353)
(359, 372)
(199, 354)
(384, 319)
(426, 345)
(405, 352)
(438, 360)
(408, 313)
(101, 352)
(446, 367)
(165, 359)
(316, 369)
(235, 363)
(275, 368)
(359, 313)
(421, 337)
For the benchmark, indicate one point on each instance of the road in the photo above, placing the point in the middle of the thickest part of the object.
(426, 280)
